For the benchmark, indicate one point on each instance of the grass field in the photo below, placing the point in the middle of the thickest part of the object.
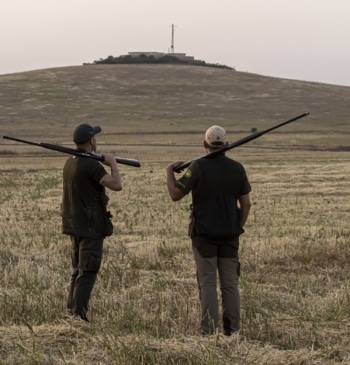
(145, 308)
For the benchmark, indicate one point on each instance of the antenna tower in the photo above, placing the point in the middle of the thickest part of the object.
(172, 39)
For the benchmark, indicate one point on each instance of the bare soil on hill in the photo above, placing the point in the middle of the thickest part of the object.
(157, 105)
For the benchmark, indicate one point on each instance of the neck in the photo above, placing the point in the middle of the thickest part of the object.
(85, 148)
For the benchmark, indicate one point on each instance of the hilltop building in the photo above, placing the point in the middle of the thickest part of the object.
(180, 56)
(157, 58)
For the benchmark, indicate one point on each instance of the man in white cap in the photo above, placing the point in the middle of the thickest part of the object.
(84, 215)
(220, 207)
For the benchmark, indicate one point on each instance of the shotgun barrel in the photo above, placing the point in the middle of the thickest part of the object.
(71, 151)
(240, 142)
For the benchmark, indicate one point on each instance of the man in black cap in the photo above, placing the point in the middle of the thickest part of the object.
(217, 185)
(84, 215)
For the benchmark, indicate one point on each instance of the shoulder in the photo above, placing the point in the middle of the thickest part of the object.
(95, 167)
(234, 163)
(70, 163)
(194, 168)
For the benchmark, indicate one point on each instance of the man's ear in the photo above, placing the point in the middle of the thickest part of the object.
(205, 144)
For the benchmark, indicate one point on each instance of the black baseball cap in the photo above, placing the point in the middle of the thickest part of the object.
(84, 132)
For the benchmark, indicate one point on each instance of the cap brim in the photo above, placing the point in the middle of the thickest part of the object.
(97, 130)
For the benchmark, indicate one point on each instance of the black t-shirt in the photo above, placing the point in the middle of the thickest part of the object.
(215, 183)
(84, 197)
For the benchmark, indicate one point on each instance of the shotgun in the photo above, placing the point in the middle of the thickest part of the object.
(244, 140)
(71, 151)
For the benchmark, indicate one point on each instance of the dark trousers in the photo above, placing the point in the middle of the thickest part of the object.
(212, 258)
(86, 262)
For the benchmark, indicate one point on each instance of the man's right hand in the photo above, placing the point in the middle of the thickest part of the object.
(173, 166)
(108, 160)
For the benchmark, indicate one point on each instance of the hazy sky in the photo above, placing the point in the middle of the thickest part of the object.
(295, 39)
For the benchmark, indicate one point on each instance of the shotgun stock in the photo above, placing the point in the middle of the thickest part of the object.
(244, 140)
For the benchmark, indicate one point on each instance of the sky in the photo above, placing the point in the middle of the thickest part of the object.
(304, 40)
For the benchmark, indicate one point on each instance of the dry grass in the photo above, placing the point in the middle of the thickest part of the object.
(144, 308)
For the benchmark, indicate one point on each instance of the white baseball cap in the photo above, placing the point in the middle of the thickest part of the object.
(215, 136)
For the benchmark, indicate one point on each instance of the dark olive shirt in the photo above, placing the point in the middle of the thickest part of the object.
(84, 200)
(215, 183)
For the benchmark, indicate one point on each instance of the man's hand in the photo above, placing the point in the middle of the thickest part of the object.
(173, 166)
(108, 160)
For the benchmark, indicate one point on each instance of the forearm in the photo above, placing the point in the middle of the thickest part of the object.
(174, 192)
(116, 176)
(113, 180)
(170, 179)
(244, 214)
(244, 204)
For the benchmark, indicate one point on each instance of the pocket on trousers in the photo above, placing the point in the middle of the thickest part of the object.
(92, 262)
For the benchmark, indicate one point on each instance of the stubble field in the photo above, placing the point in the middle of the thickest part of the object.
(144, 308)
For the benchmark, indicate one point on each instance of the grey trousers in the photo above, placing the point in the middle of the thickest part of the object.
(86, 262)
(228, 270)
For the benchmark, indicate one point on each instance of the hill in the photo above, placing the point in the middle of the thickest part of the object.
(134, 102)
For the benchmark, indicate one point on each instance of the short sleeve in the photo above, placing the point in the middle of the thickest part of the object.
(189, 180)
(96, 171)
